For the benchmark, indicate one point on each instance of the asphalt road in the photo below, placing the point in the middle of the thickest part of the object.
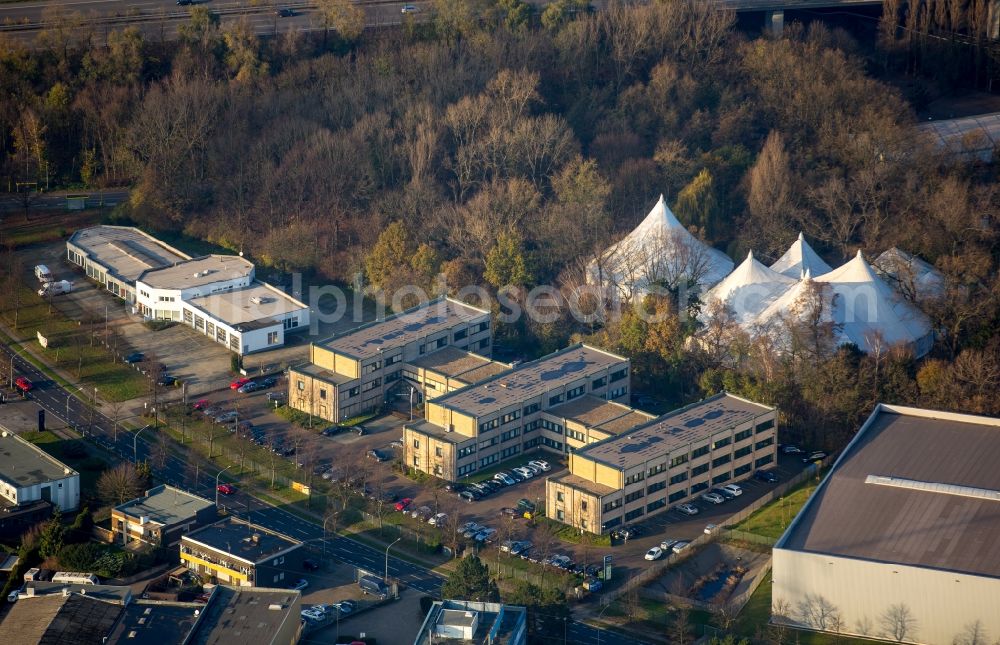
(58, 402)
(57, 200)
(159, 19)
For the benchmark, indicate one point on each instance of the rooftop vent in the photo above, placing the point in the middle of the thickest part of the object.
(274, 607)
(255, 538)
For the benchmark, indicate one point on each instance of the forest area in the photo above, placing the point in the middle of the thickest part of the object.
(504, 148)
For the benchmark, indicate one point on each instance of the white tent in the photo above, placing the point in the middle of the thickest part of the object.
(915, 278)
(749, 289)
(659, 250)
(799, 258)
(868, 311)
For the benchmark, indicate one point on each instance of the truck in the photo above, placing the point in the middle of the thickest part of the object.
(43, 274)
(55, 288)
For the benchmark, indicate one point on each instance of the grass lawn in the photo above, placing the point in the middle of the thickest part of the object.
(567, 533)
(71, 348)
(772, 520)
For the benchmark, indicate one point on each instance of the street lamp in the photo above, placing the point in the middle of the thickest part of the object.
(325, 520)
(606, 606)
(217, 484)
(135, 444)
(14, 353)
(387, 559)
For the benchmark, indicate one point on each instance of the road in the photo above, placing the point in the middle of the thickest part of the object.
(178, 472)
(160, 19)
(57, 199)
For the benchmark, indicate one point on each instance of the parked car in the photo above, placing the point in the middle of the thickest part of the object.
(725, 493)
(710, 528)
(378, 455)
(12, 596)
(238, 383)
(790, 449)
(469, 496)
(537, 470)
(360, 430)
(668, 544)
(300, 584)
(504, 478)
(284, 12)
(344, 607)
(485, 535)
(420, 513)
(688, 509)
(593, 585)
(370, 585)
(269, 381)
(766, 476)
(510, 512)
(252, 386)
(166, 380)
(403, 503)
(438, 520)
(226, 417)
(521, 547)
(333, 430)
(525, 504)
(735, 490)
(527, 473)
(410, 8)
(814, 456)
(544, 465)
(201, 404)
(276, 396)
(680, 546)
(471, 529)
(714, 498)
(212, 411)
(654, 554)
(310, 565)
(225, 489)
(23, 384)
(135, 357)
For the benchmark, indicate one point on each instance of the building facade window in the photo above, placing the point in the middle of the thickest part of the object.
(598, 383)
(555, 400)
(652, 488)
(575, 392)
(438, 452)
(617, 392)
(721, 443)
(765, 426)
(631, 515)
(742, 435)
(619, 375)
(699, 470)
(763, 461)
(678, 478)
(657, 469)
(560, 497)
(531, 409)
(677, 461)
(764, 444)
(631, 497)
(718, 461)
(635, 477)
(612, 505)
(699, 452)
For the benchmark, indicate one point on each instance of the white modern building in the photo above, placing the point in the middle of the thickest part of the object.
(901, 540)
(216, 295)
(27, 474)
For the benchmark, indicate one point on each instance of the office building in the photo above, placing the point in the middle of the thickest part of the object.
(28, 474)
(511, 412)
(216, 295)
(430, 348)
(161, 516)
(646, 469)
(900, 540)
(463, 622)
(234, 552)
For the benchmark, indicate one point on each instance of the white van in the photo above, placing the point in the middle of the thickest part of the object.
(42, 273)
(75, 578)
(55, 288)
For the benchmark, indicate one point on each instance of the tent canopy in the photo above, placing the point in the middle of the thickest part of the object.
(798, 258)
(749, 289)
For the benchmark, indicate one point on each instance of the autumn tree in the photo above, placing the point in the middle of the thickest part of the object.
(471, 581)
(120, 484)
(506, 265)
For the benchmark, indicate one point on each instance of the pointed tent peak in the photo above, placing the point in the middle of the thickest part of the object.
(859, 256)
(802, 238)
(750, 256)
(800, 256)
(806, 274)
(856, 270)
(661, 200)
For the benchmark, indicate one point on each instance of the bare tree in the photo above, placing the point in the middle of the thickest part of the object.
(119, 484)
(817, 612)
(898, 623)
(161, 450)
(680, 625)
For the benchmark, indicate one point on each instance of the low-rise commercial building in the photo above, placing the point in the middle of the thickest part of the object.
(161, 516)
(473, 623)
(899, 541)
(28, 473)
(15, 519)
(511, 412)
(358, 371)
(238, 553)
(216, 295)
(646, 469)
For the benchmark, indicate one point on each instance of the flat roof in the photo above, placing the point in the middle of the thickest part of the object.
(687, 425)
(107, 593)
(322, 373)
(914, 487)
(529, 380)
(24, 464)
(425, 319)
(981, 130)
(64, 620)
(584, 484)
(125, 251)
(155, 623)
(235, 537)
(430, 429)
(500, 620)
(165, 505)
(240, 309)
(244, 616)
(460, 364)
(198, 272)
(595, 412)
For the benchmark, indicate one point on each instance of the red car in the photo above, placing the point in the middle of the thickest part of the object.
(238, 383)
(403, 503)
(225, 489)
(23, 384)
(201, 405)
